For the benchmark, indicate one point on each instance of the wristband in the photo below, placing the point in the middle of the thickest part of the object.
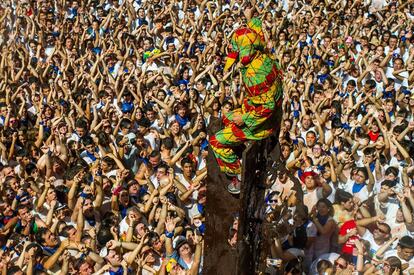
(83, 195)
(169, 234)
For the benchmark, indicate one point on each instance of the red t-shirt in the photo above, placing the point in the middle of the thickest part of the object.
(373, 136)
(349, 246)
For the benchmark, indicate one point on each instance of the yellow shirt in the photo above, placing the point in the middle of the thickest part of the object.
(341, 216)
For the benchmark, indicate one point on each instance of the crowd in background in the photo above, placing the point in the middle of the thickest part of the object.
(104, 110)
(344, 183)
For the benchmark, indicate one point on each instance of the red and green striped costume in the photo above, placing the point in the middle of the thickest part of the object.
(262, 79)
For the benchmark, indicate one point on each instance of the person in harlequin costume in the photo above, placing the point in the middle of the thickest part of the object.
(262, 79)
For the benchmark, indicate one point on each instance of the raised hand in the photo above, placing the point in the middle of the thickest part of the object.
(170, 224)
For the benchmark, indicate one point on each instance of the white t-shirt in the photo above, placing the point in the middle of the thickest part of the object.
(151, 139)
(310, 198)
(123, 227)
(398, 229)
(192, 200)
(373, 245)
(398, 82)
(363, 194)
(280, 187)
(389, 209)
(331, 196)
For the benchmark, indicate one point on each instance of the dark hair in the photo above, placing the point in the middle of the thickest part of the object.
(399, 128)
(87, 141)
(8, 179)
(125, 123)
(109, 219)
(155, 154)
(40, 233)
(38, 249)
(21, 206)
(61, 193)
(163, 165)
(369, 151)
(104, 235)
(342, 196)
(180, 105)
(185, 161)
(406, 242)
(80, 123)
(30, 168)
(103, 138)
(327, 203)
(336, 122)
(352, 83)
(65, 230)
(346, 257)
(392, 170)
(363, 170)
(227, 102)
(13, 270)
(80, 262)
(336, 104)
(168, 143)
(152, 237)
(144, 122)
(109, 161)
(389, 183)
(371, 83)
(22, 153)
(395, 263)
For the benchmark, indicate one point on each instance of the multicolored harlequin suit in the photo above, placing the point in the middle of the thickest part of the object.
(262, 78)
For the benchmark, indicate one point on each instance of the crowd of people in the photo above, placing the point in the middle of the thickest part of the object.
(344, 182)
(104, 110)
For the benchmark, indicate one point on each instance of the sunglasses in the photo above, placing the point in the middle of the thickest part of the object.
(380, 230)
(340, 265)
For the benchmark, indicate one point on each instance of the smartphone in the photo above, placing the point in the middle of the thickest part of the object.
(274, 262)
